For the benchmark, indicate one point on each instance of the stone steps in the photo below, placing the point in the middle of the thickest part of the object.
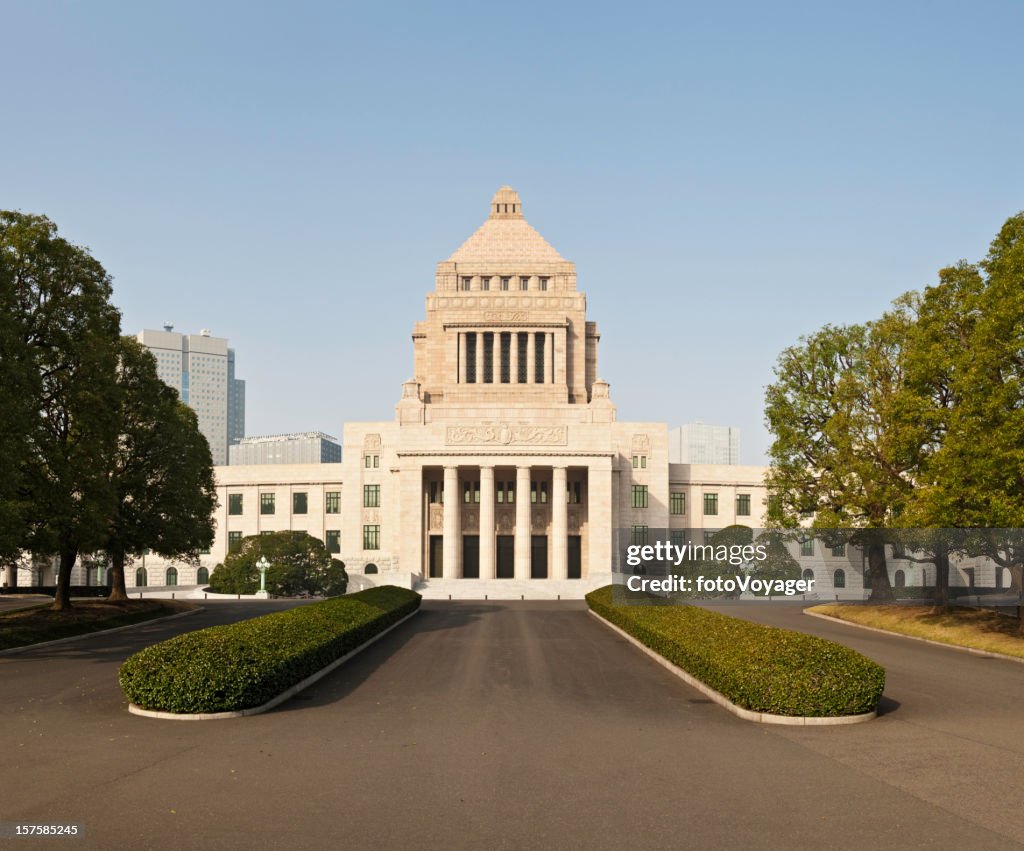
(506, 589)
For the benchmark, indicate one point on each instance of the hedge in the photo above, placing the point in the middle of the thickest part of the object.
(761, 668)
(245, 664)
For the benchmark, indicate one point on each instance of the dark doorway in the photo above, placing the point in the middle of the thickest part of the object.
(539, 557)
(575, 557)
(470, 556)
(436, 556)
(506, 565)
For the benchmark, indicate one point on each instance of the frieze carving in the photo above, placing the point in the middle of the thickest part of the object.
(436, 520)
(641, 443)
(371, 515)
(371, 441)
(504, 434)
(506, 316)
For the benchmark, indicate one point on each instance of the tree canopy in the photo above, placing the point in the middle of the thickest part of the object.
(299, 564)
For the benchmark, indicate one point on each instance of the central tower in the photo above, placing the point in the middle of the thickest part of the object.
(506, 332)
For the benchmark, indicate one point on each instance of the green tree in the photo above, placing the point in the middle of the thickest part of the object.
(299, 563)
(843, 451)
(161, 473)
(63, 313)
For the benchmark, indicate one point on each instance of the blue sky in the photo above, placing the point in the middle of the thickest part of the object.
(726, 176)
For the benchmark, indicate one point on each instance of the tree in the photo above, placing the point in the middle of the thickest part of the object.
(299, 564)
(843, 452)
(63, 313)
(161, 472)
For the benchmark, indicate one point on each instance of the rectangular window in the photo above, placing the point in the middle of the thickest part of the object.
(544, 284)
(807, 547)
(743, 505)
(506, 357)
(636, 462)
(470, 358)
(488, 357)
(332, 540)
(499, 492)
(300, 502)
(371, 496)
(678, 537)
(533, 492)
(466, 282)
(436, 493)
(376, 461)
(524, 283)
(504, 284)
(485, 284)
(639, 535)
(234, 541)
(234, 503)
(677, 502)
(577, 493)
(267, 503)
(639, 496)
(366, 462)
(543, 492)
(840, 550)
(522, 341)
(709, 536)
(371, 537)
(710, 504)
(332, 502)
(510, 492)
(538, 371)
(643, 462)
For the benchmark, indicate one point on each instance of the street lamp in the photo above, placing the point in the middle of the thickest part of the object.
(263, 566)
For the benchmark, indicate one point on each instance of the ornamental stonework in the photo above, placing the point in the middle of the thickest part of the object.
(504, 434)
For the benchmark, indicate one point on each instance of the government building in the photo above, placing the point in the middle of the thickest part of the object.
(505, 459)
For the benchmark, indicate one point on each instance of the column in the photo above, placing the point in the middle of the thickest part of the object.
(531, 358)
(495, 359)
(522, 539)
(452, 542)
(487, 540)
(513, 353)
(462, 357)
(549, 358)
(559, 525)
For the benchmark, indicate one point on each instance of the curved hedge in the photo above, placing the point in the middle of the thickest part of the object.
(245, 664)
(761, 668)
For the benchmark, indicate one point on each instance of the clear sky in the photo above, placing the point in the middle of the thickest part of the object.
(726, 176)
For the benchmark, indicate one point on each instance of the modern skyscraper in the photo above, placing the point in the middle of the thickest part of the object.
(309, 447)
(699, 443)
(202, 369)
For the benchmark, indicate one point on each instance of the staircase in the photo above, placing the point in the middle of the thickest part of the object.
(506, 589)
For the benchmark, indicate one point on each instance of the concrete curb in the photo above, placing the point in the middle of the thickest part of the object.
(274, 701)
(988, 654)
(725, 703)
(11, 651)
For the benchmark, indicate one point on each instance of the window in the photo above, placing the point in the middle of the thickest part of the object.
(234, 541)
(370, 568)
(709, 536)
(332, 501)
(372, 461)
(371, 537)
(140, 577)
(332, 540)
(900, 579)
(539, 492)
(510, 493)
(710, 504)
(234, 503)
(677, 537)
(436, 493)
(808, 573)
(371, 496)
(171, 577)
(300, 502)
(839, 579)
(639, 535)
(639, 496)
(538, 372)
(470, 492)
(639, 462)
(504, 284)
(677, 502)
(544, 284)
(524, 283)
(839, 550)
(506, 358)
(743, 505)
(267, 503)
(807, 547)
(202, 576)
(465, 284)
(485, 284)
(575, 494)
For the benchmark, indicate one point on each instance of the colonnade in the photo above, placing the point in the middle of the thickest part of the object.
(505, 361)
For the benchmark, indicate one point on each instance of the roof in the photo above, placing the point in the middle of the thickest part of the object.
(506, 238)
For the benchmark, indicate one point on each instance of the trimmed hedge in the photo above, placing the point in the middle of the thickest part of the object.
(761, 668)
(245, 664)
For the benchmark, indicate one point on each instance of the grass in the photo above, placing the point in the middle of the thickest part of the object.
(40, 623)
(978, 629)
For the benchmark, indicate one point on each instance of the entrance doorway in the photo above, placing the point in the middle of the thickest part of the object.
(538, 557)
(436, 556)
(506, 552)
(470, 556)
(575, 557)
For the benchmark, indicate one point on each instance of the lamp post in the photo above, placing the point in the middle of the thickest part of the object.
(263, 566)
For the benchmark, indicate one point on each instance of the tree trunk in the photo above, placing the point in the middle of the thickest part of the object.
(118, 592)
(62, 599)
(881, 588)
(942, 577)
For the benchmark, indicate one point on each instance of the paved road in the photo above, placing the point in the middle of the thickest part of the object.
(479, 725)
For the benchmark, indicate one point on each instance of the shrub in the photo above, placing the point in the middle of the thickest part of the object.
(245, 664)
(299, 564)
(761, 668)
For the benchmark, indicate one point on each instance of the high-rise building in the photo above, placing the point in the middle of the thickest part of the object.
(309, 447)
(202, 369)
(699, 443)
